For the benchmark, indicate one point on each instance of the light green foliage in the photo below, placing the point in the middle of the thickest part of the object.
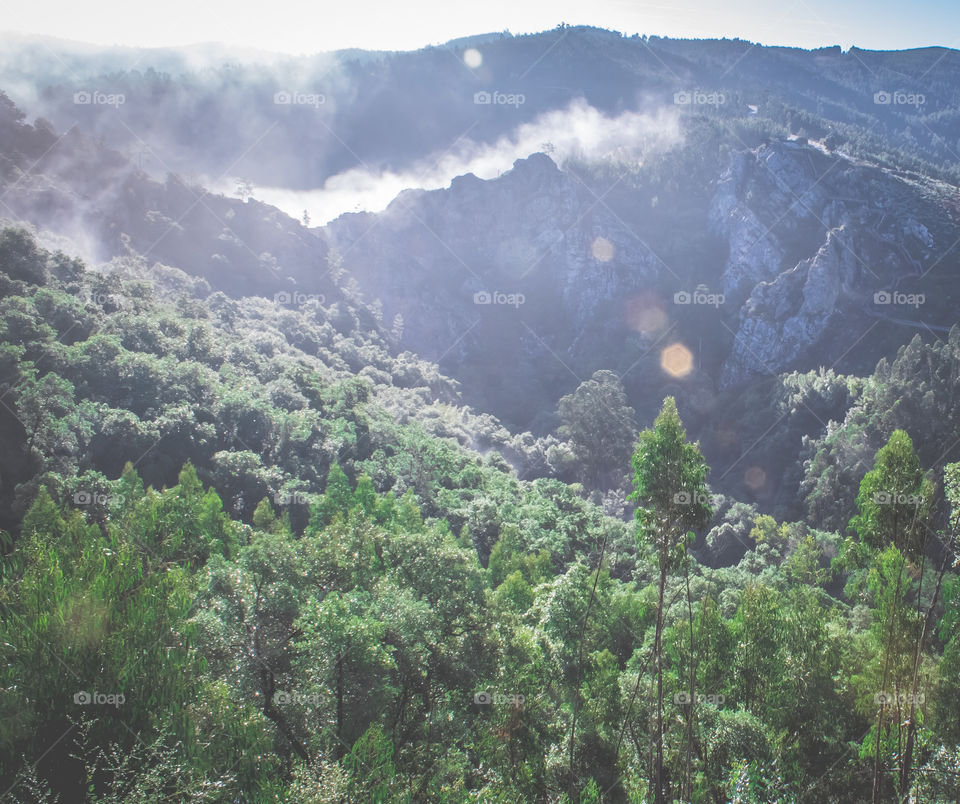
(895, 498)
(915, 392)
(669, 484)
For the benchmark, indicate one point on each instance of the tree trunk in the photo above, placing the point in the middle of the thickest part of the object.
(339, 751)
(268, 688)
(687, 792)
(658, 654)
(877, 779)
(907, 765)
(576, 692)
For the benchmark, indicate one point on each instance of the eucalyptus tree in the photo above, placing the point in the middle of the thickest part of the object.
(672, 502)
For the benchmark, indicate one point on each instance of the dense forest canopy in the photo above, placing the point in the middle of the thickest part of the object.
(239, 568)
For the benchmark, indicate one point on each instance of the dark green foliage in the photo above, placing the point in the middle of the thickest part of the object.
(916, 392)
(600, 425)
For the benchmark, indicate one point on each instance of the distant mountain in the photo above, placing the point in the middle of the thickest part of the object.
(69, 185)
(210, 111)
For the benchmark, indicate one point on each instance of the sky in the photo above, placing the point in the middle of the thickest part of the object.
(298, 27)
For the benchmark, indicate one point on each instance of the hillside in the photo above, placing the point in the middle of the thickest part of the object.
(615, 459)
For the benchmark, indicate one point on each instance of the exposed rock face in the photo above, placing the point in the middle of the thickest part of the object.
(528, 266)
(755, 256)
(803, 240)
(856, 223)
(784, 317)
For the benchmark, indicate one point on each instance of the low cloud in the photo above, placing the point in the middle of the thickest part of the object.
(578, 131)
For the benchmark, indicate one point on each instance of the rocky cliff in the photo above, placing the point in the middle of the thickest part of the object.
(799, 241)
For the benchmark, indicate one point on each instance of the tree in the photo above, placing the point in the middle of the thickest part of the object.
(758, 632)
(20, 258)
(337, 499)
(88, 610)
(895, 500)
(244, 189)
(396, 329)
(672, 501)
(344, 660)
(42, 407)
(248, 617)
(947, 712)
(600, 425)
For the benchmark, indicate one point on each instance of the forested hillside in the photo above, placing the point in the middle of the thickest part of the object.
(250, 557)
(615, 459)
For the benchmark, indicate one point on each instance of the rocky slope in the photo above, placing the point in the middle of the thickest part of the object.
(802, 240)
(768, 258)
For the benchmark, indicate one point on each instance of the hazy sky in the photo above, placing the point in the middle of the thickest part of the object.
(306, 27)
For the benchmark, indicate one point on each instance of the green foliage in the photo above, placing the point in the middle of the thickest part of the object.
(92, 613)
(259, 527)
(895, 498)
(669, 484)
(915, 393)
(599, 424)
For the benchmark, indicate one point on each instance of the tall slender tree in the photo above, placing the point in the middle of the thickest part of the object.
(894, 502)
(672, 501)
(951, 480)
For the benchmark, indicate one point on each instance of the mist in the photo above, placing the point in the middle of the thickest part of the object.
(578, 131)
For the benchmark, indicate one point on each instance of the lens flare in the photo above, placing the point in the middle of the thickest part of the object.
(644, 313)
(727, 435)
(472, 58)
(602, 249)
(676, 360)
(755, 478)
